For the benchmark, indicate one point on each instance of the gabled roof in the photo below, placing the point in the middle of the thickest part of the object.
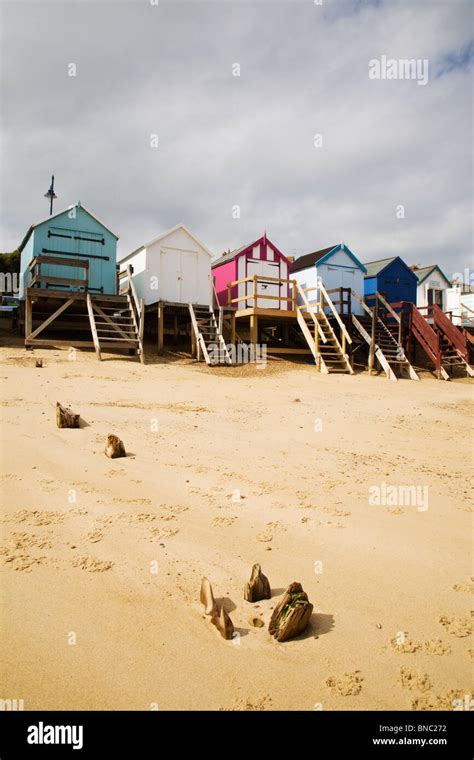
(60, 213)
(320, 257)
(229, 255)
(309, 259)
(423, 272)
(162, 236)
(374, 267)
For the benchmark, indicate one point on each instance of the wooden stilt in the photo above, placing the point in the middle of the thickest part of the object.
(253, 329)
(372, 340)
(28, 317)
(232, 329)
(161, 316)
(175, 330)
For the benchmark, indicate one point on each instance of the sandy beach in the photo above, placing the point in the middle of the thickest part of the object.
(102, 559)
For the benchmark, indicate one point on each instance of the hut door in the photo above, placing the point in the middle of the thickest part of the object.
(168, 278)
(266, 288)
(188, 277)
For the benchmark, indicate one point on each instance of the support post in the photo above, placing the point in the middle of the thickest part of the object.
(232, 329)
(161, 317)
(254, 330)
(372, 339)
(28, 316)
(293, 295)
(175, 330)
(255, 291)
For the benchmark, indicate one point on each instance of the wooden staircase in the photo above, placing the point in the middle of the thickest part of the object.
(388, 351)
(117, 321)
(328, 352)
(208, 333)
(453, 351)
(384, 345)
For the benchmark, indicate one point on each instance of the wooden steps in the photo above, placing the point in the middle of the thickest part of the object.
(442, 342)
(388, 351)
(115, 323)
(208, 334)
(325, 346)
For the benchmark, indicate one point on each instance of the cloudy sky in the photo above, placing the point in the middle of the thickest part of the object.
(167, 68)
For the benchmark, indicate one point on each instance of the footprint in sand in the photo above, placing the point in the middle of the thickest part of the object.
(95, 536)
(119, 500)
(218, 521)
(467, 587)
(451, 700)
(456, 625)
(245, 703)
(91, 564)
(140, 517)
(26, 540)
(156, 534)
(336, 512)
(411, 679)
(437, 646)
(25, 562)
(403, 643)
(347, 685)
(275, 527)
(264, 537)
(34, 517)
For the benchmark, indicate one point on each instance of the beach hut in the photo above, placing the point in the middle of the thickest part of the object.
(172, 274)
(60, 244)
(432, 286)
(69, 284)
(337, 268)
(392, 278)
(173, 268)
(253, 270)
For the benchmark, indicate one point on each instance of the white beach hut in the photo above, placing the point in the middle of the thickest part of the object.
(174, 268)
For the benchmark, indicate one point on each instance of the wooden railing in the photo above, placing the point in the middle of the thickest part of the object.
(255, 296)
(426, 336)
(216, 305)
(455, 336)
(306, 306)
(137, 304)
(38, 278)
(322, 302)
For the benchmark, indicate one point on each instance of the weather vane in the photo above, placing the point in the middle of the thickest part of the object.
(50, 194)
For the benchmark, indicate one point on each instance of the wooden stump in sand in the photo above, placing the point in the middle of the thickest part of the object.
(39, 363)
(114, 447)
(258, 587)
(292, 614)
(65, 418)
(223, 624)
(207, 598)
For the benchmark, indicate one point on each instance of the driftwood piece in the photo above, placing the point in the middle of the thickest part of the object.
(65, 418)
(258, 587)
(291, 615)
(39, 363)
(223, 624)
(114, 447)
(207, 598)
